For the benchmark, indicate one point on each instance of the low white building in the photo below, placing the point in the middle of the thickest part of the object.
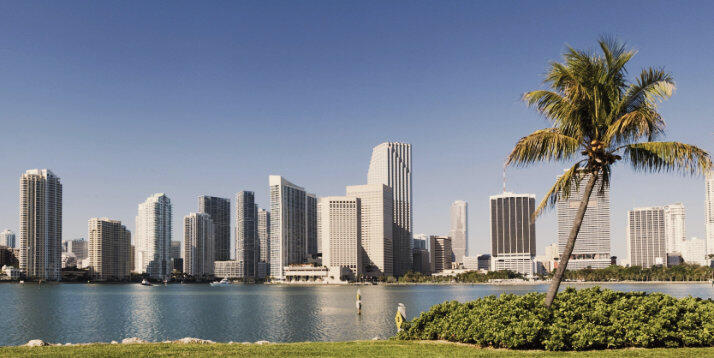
(228, 269)
(317, 274)
(12, 272)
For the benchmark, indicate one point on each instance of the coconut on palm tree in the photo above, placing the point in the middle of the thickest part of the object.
(599, 118)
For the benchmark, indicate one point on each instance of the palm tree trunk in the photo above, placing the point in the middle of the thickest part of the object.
(570, 245)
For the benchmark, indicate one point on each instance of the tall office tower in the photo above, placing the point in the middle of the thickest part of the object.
(7, 238)
(287, 225)
(441, 253)
(198, 244)
(247, 245)
(391, 165)
(513, 235)
(40, 224)
(376, 210)
(109, 249)
(646, 237)
(79, 247)
(592, 248)
(674, 226)
(709, 211)
(264, 235)
(175, 250)
(153, 236)
(459, 229)
(311, 224)
(220, 211)
(340, 232)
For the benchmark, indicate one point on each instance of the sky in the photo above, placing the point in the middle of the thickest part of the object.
(125, 99)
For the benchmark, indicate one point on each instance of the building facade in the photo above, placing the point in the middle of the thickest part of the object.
(340, 232)
(7, 238)
(247, 244)
(646, 237)
(264, 235)
(376, 211)
(152, 242)
(219, 209)
(40, 254)
(675, 227)
(513, 234)
(694, 251)
(709, 211)
(78, 247)
(198, 245)
(109, 249)
(459, 231)
(230, 269)
(288, 233)
(441, 253)
(391, 165)
(313, 244)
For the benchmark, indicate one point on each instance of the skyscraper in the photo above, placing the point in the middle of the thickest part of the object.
(674, 226)
(79, 247)
(441, 253)
(376, 210)
(247, 244)
(7, 238)
(459, 229)
(220, 211)
(40, 224)
(311, 224)
(288, 234)
(709, 211)
(391, 165)
(109, 249)
(513, 235)
(340, 232)
(592, 248)
(198, 250)
(646, 237)
(264, 235)
(153, 236)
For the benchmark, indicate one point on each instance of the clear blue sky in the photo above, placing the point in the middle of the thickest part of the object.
(124, 99)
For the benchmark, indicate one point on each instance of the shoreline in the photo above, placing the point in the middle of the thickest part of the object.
(307, 284)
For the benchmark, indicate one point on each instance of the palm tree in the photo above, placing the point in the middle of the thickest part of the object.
(599, 118)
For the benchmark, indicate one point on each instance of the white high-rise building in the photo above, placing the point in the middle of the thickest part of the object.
(376, 206)
(40, 253)
(646, 237)
(513, 235)
(264, 235)
(709, 211)
(592, 247)
(339, 229)
(674, 226)
(391, 165)
(693, 251)
(288, 232)
(109, 249)
(7, 238)
(199, 235)
(459, 232)
(152, 245)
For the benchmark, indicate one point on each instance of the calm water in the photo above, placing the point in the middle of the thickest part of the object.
(90, 313)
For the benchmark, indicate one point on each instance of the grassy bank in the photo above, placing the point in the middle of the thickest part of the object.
(325, 349)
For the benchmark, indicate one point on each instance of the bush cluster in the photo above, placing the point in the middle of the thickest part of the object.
(592, 318)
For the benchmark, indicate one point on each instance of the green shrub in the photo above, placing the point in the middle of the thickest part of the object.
(592, 318)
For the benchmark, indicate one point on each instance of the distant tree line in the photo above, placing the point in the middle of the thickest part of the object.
(684, 272)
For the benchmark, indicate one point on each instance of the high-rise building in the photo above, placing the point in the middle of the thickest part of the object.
(694, 251)
(391, 165)
(513, 235)
(709, 211)
(420, 260)
(264, 235)
(311, 224)
(674, 226)
(459, 232)
(175, 255)
(198, 250)
(7, 238)
(376, 210)
(441, 253)
(421, 241)
(592, 247)
(287, 225)
(646, 237)
(340, 232)
(152, 242)
(79, 247)
(247, 244)
(40, 224)
(109, 249)
(220, 211)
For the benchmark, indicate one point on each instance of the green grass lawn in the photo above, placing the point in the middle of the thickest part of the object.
(327, 349)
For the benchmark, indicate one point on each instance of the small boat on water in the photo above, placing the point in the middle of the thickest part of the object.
(144, 282)
(223, 282)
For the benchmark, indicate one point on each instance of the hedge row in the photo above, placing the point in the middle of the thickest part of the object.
(592, 318)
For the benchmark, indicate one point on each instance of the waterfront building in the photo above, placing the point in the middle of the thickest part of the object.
(79, 247)
(40, 224)
(391, 165)
(646, 237)
(339, 230)
(7, 238)
(132, 263)
(420, 260)
(552, 256)
(420, 241)
(287, 225)
(264, 235)
(230, 269)
(674, 227)
(459, 231)
(709, 211)
(198, 250)
(313, 245)
(219, 209)
(109, 243)
(484, 262)
(592, 247)
(153, 237)
(175, 255)
(513, 234)
(247, 244)
(470, 263)
(694, 251)
(376, 210)
(441, 253)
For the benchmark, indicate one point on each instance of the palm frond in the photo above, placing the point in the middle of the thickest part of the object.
(641, 122)
(652, 86)
(543, 145)
(668, 157)
(561, 189)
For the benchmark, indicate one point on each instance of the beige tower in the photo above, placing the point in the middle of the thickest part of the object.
(109, 249)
